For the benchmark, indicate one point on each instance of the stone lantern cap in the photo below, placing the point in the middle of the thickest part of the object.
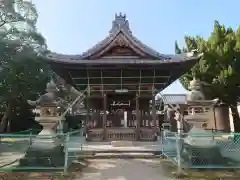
(195, 84)
(195, 93)
(48, 104)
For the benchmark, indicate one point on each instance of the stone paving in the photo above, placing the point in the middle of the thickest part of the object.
(120, 169)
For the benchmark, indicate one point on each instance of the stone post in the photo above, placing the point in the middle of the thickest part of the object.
(221, 118)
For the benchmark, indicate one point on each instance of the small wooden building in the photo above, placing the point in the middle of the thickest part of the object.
(120, 76)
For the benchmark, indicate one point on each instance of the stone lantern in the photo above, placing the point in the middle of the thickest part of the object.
(197, 104)
(46, 148)
(200, 146)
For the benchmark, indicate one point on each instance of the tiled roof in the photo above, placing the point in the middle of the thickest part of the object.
(174, 98)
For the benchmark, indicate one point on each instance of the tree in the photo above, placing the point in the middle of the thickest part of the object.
(219, 67)
(23, 74)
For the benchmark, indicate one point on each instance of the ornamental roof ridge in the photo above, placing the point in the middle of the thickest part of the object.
(121, 24)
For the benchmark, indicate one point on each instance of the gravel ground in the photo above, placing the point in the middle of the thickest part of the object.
(123, 169)
(101, 169)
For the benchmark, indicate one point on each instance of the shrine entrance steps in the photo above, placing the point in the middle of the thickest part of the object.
(120, 155)
(117, 150)
(114, 154)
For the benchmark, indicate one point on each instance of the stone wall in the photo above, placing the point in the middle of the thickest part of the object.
(231, 119)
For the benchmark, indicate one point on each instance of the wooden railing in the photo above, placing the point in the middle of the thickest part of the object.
(121, 136)
(147, 135)
(117, 134)
(94, 136)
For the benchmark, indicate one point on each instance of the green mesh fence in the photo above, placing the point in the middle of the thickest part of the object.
(28, 131)
(169, 144)
(17, 152)
(202, 150)
(75, 143)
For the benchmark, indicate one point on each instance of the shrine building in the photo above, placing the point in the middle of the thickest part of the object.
(120, 76)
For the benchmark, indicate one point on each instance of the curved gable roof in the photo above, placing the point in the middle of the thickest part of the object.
(120, 26)
(122, 34)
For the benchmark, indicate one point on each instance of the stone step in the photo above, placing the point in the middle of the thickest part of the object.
(121, 143)
(94, 152)
(120, 156)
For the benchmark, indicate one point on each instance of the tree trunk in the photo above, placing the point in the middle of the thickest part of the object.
(236, 118)
(5, 118)
(10, 118)
(9, 124)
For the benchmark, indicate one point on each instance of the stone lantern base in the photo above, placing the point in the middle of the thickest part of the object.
(47, 148)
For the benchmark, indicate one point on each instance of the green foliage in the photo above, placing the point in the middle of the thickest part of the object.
(23, 73)
(219, 67)
(22, 68)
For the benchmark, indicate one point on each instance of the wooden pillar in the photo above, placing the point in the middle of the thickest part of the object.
(141, 118)
(104, 117)
(87, 115)
(154, 115)
(137, 118)
(130, 119)
(149, 118)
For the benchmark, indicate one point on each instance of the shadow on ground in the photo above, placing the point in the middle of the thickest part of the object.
(202, 174)
(12, 151)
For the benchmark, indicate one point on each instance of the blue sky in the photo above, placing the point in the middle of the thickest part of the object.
(73, 26)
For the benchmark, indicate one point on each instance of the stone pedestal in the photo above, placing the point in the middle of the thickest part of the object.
(202, 156)
(200, 150)
(46, 149)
